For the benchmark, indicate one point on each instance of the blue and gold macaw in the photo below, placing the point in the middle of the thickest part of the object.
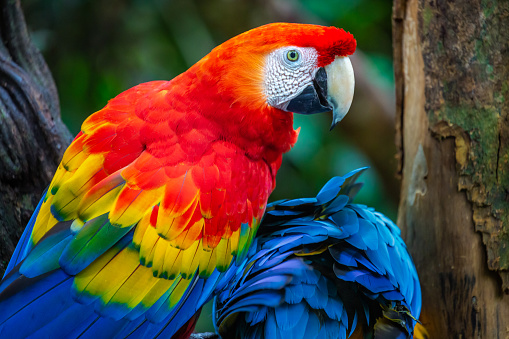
(323, 268)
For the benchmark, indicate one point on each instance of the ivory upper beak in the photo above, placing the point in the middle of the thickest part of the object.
(340, 87)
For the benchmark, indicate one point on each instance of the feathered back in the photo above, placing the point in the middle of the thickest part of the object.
(323, 268)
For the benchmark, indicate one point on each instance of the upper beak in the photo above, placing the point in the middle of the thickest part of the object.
(331, 90)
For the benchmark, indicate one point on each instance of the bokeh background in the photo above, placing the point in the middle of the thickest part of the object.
(96, 49)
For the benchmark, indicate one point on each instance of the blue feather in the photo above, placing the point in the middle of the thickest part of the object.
(334, 308)
(384, 231)
(369, 234)
(271, 329)
(308, 326)
(258, 315)
(32, 303)
(288, 315)
(268, 283)
(334, 329)
(319, 298)
(65, 326)
(373, 271)
(44, 257)
(330, 190)
(294, 293)
(354, 324)
(393, 295)
(24, 245)
(297, 202)
(336, 205)
(347, 220)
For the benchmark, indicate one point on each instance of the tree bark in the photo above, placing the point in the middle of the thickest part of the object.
(452, 118)
(32, 135)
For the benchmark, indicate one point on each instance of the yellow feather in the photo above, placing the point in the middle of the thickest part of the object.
(172, 262)
(149, 259)
(108, 271)
(177, 294)
(44, 225)
(88, 210)
(60, 177)
(207, 263)
(223, 254)
(188, 237)
(41, 223)
(176, 211)
(244, 240)
(234, 242)
(252, 233)
(141, 228)
(157, 291)
(190, 259)
(128, 213)
(147, 244)
(117, 291)
(134, 289)
(72, 159)
(159, 255)
(315, 252)
(68, 196)
(75, 150)
(79, 182)
(171, 224)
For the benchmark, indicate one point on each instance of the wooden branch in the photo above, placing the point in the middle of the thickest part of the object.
(32, 136)
(452, 99)
(398, 16)
(206, 335)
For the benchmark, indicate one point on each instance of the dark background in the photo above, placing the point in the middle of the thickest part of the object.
(96, 49)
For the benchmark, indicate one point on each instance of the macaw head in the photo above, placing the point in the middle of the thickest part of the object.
(298, 68)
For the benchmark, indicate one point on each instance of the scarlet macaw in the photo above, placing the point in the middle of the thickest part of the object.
(164, 188)
(322, 267)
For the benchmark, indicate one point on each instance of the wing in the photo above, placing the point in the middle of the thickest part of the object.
(147, 203)
(320, 267)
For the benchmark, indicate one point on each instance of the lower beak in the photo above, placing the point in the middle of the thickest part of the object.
(331, 90)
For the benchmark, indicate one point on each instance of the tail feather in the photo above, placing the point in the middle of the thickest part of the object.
(65, 326)
(31, 302)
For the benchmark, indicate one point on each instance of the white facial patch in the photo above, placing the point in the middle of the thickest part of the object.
(287, 72)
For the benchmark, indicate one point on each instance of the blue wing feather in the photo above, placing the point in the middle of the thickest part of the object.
(37, 297)
(373, 272)
(24, 245)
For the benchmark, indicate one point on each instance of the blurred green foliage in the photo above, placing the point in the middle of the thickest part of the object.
(96, 49)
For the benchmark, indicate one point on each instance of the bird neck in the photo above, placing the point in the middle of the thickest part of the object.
(261, 131)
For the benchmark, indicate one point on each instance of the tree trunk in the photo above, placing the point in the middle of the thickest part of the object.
(32, 136)
(452, 96)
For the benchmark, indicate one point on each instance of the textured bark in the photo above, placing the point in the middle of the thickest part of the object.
(452, 117)
(32, 136)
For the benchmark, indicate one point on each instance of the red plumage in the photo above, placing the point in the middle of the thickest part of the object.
(166, 185)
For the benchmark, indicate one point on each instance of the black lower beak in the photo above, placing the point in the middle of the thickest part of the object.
(331, 90)
(313, 99)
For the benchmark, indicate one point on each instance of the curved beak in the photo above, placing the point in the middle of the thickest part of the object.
(331, 90)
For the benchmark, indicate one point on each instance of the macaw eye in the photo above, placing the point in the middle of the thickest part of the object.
(292, 55)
